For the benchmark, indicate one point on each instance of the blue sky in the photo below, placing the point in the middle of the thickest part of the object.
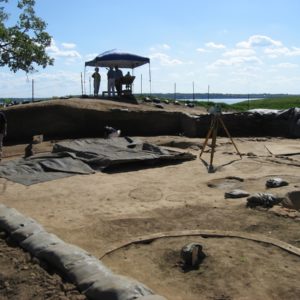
(234, 46)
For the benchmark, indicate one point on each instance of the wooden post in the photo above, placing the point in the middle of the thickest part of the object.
(175, 91)
(228, 134)
(213, 143)
(207, 137)
(248, 102)
(81, 83)
(32, 90)
(208, 93)
(193, 92)
(90, 84)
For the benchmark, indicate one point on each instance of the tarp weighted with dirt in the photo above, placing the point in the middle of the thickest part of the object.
(41, 168)
(84, 156)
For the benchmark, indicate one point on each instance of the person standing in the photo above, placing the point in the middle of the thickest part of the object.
(3, 130)
(111, 82)
(128, 85)
(118, 78)
(97, 79)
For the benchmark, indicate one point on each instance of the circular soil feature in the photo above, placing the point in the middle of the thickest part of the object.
(146, 194)
(232, 269)
(230, 182)
(182, 197)
(183, 188)
(292, 200)
(247, 166)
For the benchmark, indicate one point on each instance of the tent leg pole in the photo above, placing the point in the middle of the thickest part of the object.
(150, 79)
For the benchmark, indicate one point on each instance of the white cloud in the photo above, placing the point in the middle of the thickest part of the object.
(91, 56)
(165, 59)
(284, 82)
(213, 45)
(46, 84)
(160, 47)
(54, 51)
(294, 52)
(58, 76)
(259, 41)
(270, 47)
(201, 50)
(5, 76)
(68, 45)
(166, 46)
(248, 72)
(175, 75)
(235, 61)
(275, 52)
(239, 52)
(287, 65)
(212, 75)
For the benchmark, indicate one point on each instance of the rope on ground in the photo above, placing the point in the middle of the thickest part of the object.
(207, 234)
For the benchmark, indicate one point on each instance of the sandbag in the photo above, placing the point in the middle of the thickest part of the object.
(11, 220)
(236, 194)
(23, 233)
(39, 241)
(276, 182)
(263, 199)
(152, 297)
(117, 288)
(63, 256)
(90, 275)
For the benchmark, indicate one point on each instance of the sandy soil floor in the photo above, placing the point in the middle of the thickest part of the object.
(101, 210)
(232, 269)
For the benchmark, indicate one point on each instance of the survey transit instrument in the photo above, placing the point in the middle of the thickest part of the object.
(216, 121)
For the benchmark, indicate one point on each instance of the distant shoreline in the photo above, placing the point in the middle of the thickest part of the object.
(223, 100)
(179, 96)
(199, 97)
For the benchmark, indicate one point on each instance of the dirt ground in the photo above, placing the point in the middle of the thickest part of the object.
(108, 105)
(101, 210)
(23, 277)
(232, 269)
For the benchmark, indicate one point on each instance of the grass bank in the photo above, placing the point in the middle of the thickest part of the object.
(267, 103)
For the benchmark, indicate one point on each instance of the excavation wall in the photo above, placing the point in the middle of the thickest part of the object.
(67, 121)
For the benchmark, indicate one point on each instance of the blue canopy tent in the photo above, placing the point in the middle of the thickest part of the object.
(114, 58)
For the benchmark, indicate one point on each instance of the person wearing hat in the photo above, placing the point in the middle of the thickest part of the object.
(111, 82)
(97, 79)
(118, 78)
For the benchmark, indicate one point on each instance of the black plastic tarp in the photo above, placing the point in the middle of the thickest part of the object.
(85, 156)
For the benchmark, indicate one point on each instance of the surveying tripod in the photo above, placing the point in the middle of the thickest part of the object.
(213, 130)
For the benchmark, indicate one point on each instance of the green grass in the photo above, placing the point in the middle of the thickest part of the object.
(269, 103)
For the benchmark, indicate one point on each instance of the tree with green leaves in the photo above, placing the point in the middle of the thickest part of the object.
(23, 45)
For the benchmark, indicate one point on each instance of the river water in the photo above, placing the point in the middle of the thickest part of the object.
(223, 100)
